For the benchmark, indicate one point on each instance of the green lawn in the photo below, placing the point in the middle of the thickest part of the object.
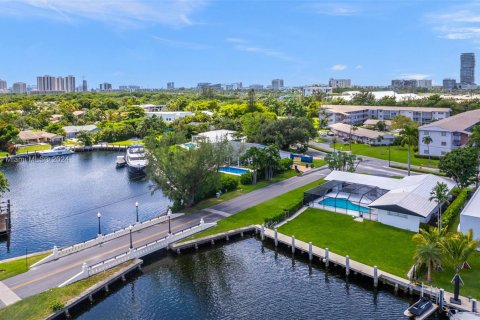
(317, 163)
(368, 242)
(242, 189)
(43, 304)
(126, 142)
(14, 267)
(397, 153)
(39, 147)
(257, 214)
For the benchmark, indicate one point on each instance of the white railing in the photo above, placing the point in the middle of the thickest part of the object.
(139, 252)
(58, 253)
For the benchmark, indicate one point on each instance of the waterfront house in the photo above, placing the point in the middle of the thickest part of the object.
(362, 135)
(216, 136)
(36, 137)
(72, 131)
(401, 203)
(470, 216)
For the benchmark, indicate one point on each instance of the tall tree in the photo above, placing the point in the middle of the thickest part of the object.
(342, 161)
(8, 133)
(427, 140)
(460, 165)
(428, 251)
(439, 194)
(400, 121)
(410, 138)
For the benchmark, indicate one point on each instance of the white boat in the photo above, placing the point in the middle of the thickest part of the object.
(56, 151)
(136, 160)
(120, 161)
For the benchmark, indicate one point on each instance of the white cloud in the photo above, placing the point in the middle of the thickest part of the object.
(457, 22)
(181, 44)
(338, 67)
(125, 13)
(335, 9)
(358, 66)
(244, 45)
(414, 76)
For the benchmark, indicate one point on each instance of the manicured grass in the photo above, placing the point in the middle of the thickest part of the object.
(471, 287)
(368, 242)
(39, 147)
(397, 153)
(242, 189)
(17, 266)
(317, 163)
(257, 214)
(126, 142)
(41, 305)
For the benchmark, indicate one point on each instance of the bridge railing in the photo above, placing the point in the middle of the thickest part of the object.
(58, 253)
(144, 250)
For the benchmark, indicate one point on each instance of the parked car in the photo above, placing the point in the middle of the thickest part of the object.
(330, 133)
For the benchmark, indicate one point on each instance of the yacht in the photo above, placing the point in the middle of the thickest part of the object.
(136, 160)
(56, 151)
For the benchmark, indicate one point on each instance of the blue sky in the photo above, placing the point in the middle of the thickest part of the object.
(151, 42)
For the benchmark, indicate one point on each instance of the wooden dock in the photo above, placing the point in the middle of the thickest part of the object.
(5, 218)
(100, 147)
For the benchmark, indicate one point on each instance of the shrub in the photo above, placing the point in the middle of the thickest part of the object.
(56, 306)
(454, 209)
(228, 183)
(285, 164)
(246, 178)
(286, 212)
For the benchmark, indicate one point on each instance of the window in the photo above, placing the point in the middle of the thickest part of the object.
(426, 133)
(444, 134)
(444, 143)
(397, 214)
(425, 151)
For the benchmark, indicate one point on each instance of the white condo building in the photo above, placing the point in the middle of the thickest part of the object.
(447, 134)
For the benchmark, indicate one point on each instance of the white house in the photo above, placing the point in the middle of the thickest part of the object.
(72, 131)
(362, 135)
(447, 134)
(169, 116)
(215, 136)
(470, 216)
(402, 203)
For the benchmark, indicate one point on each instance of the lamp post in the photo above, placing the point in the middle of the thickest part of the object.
(169, 214)
(389, 156)
(136, 206)
(99, 215)
(130, 231)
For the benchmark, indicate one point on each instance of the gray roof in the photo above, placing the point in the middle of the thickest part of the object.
(74, 129)
(456, 123)
(350, 108)
(361, 132)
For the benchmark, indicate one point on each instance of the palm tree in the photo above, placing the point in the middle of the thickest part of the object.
(439, 194)
(428, 251)
(458, 247)
(352, 128)
(409, 136)
(427, 140)
(474, 139)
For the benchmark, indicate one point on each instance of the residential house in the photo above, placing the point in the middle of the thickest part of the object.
(362, 135)
(36, 137)
(72, 131)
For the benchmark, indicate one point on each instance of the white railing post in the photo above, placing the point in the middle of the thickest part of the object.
(55, 252)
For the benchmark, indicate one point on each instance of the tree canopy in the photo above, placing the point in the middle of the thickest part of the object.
(461, 165)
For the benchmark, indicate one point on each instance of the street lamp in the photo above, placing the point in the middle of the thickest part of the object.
(389, 156)
(169, 214)
(136, 205)
(99, 215)
(131, 242)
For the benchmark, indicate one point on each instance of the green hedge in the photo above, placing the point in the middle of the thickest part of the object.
(287, 212)
(454, 209)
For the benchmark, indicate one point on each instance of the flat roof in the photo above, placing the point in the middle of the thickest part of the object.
(459, 122)
(360, 132)
(351, 108)
(472, 208)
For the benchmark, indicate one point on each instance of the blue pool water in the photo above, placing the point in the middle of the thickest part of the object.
(344, 204)
(233, 170)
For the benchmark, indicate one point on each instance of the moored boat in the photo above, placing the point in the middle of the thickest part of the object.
(56, 151)
(136, 160)
(421, 309)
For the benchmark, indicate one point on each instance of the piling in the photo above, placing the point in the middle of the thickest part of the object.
(347, 265)
(262, 232)
(474, 305)
(441, 298)
(227, 238)
(326, 259)
(293, 244)
(90, 297)
(310, 251)
(375, 276)
(276, 237)
(213, 242)
(106, 288)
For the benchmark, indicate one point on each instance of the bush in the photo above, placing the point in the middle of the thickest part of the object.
(454, 209)
(286, 212)
(56, 306)
(421, 156)
(246, 178)
(285, 164)
(228, 183)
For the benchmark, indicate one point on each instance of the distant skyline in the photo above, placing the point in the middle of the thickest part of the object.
(149, 43)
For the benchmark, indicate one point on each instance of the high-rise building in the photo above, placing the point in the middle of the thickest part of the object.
(467, 68)
(84, 86)
(105, 86)
(19, 87)
(46, 83)
(3, 85)
(170, 85)
(69, 85)
(277, 84)
(60, 84)
(449, 84)
(339, 83)
(411, 84)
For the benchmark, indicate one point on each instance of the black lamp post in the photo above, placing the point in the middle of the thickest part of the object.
(130, 230)
(169, 214)
(389, 156)
(136, 205)
(99, 215)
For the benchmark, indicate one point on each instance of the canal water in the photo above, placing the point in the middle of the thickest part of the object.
(55, 201)
(242, 280)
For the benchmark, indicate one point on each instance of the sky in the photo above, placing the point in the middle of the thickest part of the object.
(152, 42)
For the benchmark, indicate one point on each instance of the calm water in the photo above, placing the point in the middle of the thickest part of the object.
(55, 203)
(242, 280)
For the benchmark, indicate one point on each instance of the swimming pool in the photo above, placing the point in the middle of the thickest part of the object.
(344, 204)
(233, 170)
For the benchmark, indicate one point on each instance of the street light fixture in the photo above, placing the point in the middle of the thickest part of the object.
(169, 214)
(131, 242)
(99, 215)
(136, 205)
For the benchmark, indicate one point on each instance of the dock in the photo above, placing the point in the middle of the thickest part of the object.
(5, 218)
(100, 147)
